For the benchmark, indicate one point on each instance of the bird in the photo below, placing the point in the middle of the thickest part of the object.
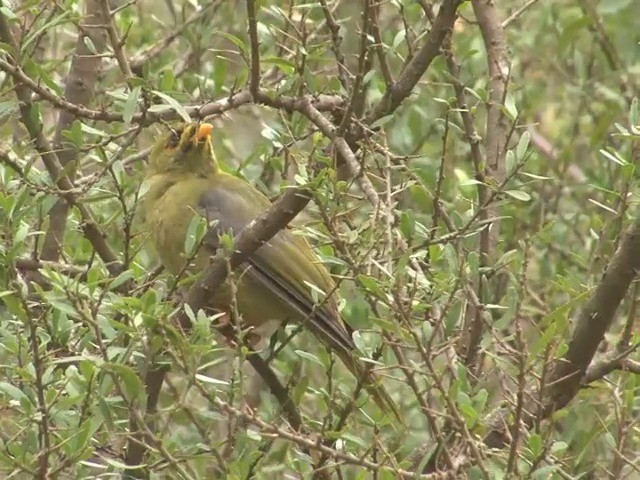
(184, 179)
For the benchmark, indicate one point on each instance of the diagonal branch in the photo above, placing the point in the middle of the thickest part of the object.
(336, 41)
(117, 44)
(138, 60)
(414, 70)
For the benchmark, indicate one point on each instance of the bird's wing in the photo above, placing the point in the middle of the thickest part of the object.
(283, 265)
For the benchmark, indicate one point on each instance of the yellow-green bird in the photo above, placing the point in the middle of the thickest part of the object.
(184, 179)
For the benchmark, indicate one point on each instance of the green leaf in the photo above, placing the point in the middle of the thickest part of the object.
(368, 76)
(309, 356)
(356, 440)
(121, 279)
(7, 12)
(195, 233)
(83, 435)
(523, 144)
(558, 447)
(35, 70)
(613, 156)
(535, 444)
(131, 382)
(74, 134)
(510, 107)
(34, 114)
(407, 225)
(609, 7)
(210, 380)
(174, 104)
(381, 121)
(399, 38)
(93, 131)
(300, 388)
(286, 66)
(237, 41)
(370, 284)
(89, 44)
(130, 105)
(13, 392)
(167, 80)
(545, 472)
(64, 307)
(519, 195)
(219, 74)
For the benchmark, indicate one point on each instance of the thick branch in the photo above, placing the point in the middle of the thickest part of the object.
(495, 143)
(246, 242)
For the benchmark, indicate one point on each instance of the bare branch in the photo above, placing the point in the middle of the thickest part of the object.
(63, 268)
(379, 46)
(137, 61)
(608, 47)
(314, 445)
(356, 102)
(617, 361)
(519, 11)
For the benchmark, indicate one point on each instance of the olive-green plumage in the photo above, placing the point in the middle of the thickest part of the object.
(184, 178)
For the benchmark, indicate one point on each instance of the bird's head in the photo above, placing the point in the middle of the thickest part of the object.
(185, 148)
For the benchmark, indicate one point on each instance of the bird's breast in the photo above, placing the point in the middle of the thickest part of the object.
(168, 217)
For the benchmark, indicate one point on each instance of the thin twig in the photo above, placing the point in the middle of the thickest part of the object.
(379, 46)
(567, 373)
(116, 43)
(254, 82)
(518, 13)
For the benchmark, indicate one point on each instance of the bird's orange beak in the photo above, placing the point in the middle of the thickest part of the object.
(203, 132)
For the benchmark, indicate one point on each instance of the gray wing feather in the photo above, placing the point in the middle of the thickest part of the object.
(229, 209)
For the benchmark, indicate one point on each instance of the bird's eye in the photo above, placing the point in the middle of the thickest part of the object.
(174, 138)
